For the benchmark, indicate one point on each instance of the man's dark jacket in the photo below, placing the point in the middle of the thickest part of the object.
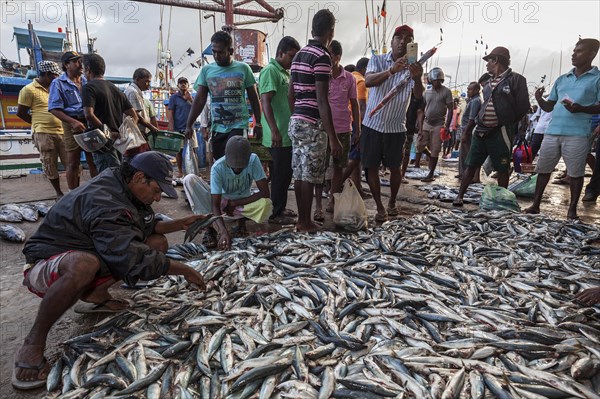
(511, 99)
(104, 218)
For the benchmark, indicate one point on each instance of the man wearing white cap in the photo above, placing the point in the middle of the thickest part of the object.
(97, 235)
(46, 129)
(231, 178)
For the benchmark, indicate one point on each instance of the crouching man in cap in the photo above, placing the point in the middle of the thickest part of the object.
(230, 180)
(94, 236)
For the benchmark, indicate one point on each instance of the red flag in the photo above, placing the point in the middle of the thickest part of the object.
(383, 10)
(367, 24)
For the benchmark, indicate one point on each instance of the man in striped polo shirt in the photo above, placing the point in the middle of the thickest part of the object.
(383, 133)
(506, 101)
(311, 124)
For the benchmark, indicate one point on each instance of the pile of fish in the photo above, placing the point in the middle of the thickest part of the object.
(419, 173)
(441, 305)
(444, 193)
(187, 251)
(17, 213)
(14, 213)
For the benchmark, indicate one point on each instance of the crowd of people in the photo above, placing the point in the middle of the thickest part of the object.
(307, 109)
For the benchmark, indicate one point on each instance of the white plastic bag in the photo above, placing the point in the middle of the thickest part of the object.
(129, 136)
(349, 211)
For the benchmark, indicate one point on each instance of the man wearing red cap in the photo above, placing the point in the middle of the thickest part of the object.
(505, 102)
(384, 133)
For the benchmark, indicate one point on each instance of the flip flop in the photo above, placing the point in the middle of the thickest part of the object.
(85, 308)
(28, 385)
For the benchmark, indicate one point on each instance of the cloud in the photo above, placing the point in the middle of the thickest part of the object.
(127, 32)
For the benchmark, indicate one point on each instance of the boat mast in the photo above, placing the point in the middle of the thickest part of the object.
(90, 41)
(76, 32)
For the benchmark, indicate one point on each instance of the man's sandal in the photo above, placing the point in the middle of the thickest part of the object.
(28, 385)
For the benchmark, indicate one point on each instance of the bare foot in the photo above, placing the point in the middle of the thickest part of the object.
(32, 355)
(572, 215)
(532, 210)
(311, 228)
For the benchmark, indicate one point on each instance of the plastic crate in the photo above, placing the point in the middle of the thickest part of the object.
(165, 141)
(263, 152)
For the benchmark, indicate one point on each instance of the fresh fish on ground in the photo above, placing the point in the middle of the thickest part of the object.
(198, 225)
(29, 212)
(10, 215)
(42, 208)
(444, 304)
(11, 233)
(448, 194)
(419, 173)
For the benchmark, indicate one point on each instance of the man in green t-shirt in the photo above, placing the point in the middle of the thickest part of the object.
(225, 80)
(273, 84)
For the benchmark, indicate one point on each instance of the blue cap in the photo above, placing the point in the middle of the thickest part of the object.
(157, 166)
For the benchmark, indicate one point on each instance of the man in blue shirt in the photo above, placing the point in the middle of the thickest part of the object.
(574, 98)
(231, 178)
(65, 103)
(179, 108)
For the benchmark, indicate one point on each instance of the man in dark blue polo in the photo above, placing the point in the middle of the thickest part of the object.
(180, 105)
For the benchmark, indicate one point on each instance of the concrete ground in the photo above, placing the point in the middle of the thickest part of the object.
(18, 307)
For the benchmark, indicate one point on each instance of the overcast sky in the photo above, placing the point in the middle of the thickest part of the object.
(535, 32)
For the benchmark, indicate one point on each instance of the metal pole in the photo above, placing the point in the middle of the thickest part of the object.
(200, 12)
(214, 22)
(76, 34)
(224, 8)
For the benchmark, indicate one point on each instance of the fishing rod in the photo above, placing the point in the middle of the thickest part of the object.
(525, 64)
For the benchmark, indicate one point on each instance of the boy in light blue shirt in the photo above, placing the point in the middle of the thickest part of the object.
(231, 179)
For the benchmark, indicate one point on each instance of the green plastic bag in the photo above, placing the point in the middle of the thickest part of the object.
(525, 188)
(496, 198)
